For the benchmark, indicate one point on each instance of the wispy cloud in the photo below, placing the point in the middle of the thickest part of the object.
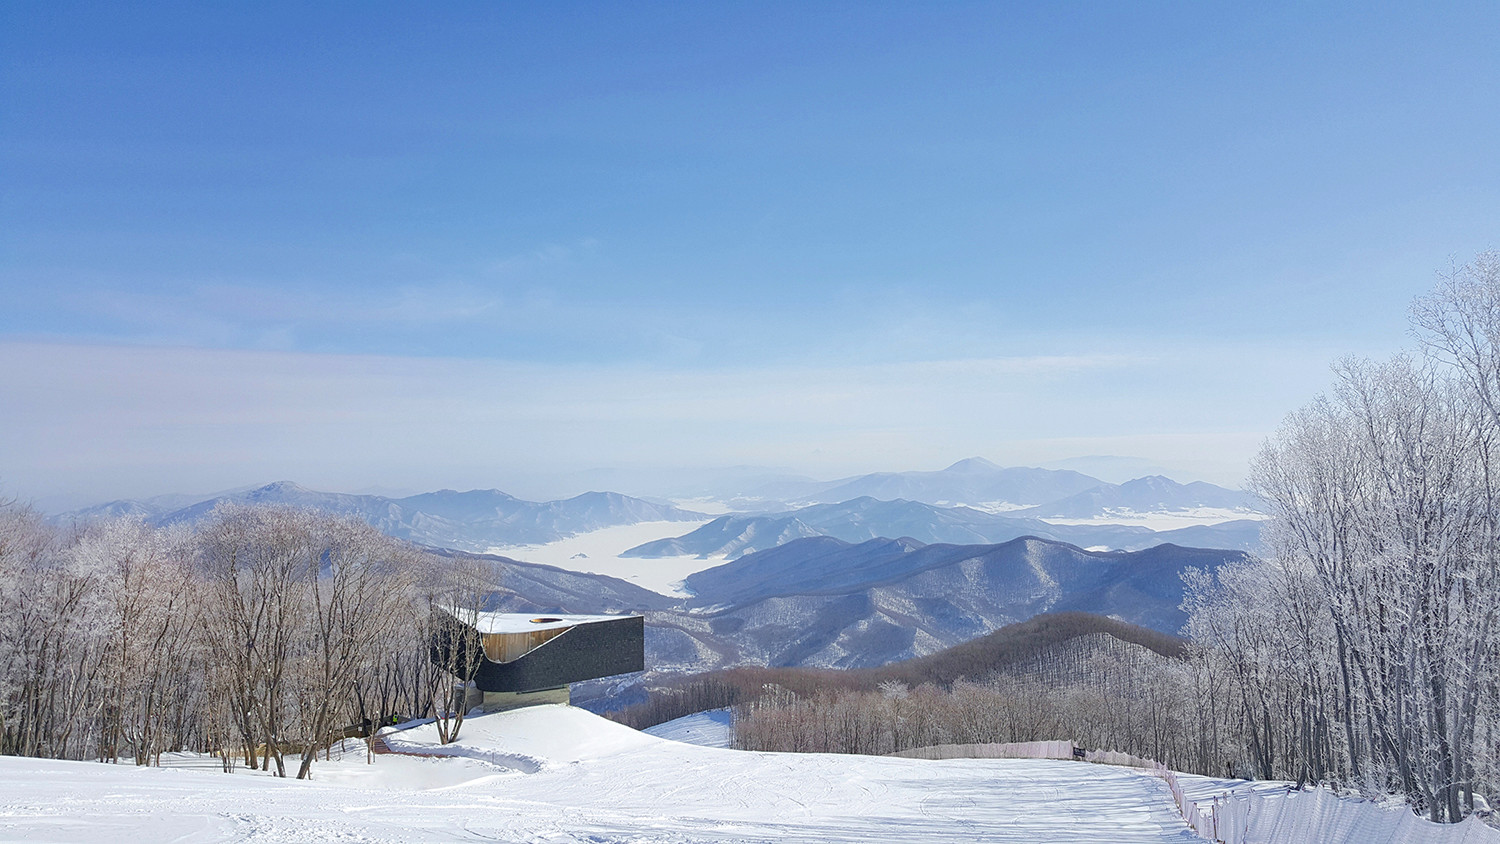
(231, 303)
(247, 315)
(547, 254)
(113, 419)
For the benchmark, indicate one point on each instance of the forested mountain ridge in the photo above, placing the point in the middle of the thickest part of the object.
(822, 602)
(1067, 644)
(1151, 494)
(884, 600)
(971, 502)
(865, 518)
(475, 520)
(976, 482)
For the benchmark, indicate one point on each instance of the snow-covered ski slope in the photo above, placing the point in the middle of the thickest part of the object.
(714, 728)
(559, 774)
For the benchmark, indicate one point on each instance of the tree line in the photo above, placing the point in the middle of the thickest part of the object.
(1037, 648)
(261, 635)
(1361, 648)
(1097, 690)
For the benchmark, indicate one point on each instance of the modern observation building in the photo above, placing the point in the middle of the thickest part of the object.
(520, 659)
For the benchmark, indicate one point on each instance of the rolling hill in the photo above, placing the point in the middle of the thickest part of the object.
(476, 520)
(1039, 648)
(1152, 494)
(823, 602)
(860, 519)
(972, 481)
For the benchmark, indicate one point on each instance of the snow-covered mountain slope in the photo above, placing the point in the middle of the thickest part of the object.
(823, 564)
(825, 602)
(822, 602)
(1152, 494)
(728, 536)
(474, 521)
(553, 773)
(868, 518)
(533, 587)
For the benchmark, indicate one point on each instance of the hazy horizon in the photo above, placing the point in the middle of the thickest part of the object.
(666, 483)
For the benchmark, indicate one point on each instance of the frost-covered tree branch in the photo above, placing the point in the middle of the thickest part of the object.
(1363, 645)
(265, 631)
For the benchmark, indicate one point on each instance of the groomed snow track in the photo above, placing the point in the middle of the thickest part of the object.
(559, 774)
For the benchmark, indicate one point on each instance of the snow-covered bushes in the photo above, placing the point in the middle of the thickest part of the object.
(268, 631)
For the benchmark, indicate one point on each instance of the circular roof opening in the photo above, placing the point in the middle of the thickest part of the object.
(545, 620)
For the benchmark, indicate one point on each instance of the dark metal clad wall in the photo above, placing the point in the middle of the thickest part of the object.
(585, 652)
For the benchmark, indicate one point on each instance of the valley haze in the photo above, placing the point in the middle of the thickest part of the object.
(868, 580)
(971, 501)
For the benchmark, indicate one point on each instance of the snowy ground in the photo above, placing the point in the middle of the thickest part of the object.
(559, 774)
(599, 552)
(714, 728)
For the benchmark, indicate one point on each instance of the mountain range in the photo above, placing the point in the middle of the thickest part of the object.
(976, 482)
(1054, 649)
(973, 481)
(823, 602)
(858, 582)
(868, 518)
(476, 520)
(972, 501)
(1151, 494)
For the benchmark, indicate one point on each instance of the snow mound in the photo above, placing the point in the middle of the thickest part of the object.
(526, 739)
(714, 728)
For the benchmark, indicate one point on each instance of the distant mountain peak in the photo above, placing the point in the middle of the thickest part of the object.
(280, 486)
(452, 494)
(595, 495)
(972, 464)
(1151, 480)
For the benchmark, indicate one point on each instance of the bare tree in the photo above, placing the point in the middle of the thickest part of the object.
(255, 560)
(1362, 647)
(265, 630)
(359, 581)
(145, 626)
(447, 610)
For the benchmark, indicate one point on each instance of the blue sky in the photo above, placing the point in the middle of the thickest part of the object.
(820, 236)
